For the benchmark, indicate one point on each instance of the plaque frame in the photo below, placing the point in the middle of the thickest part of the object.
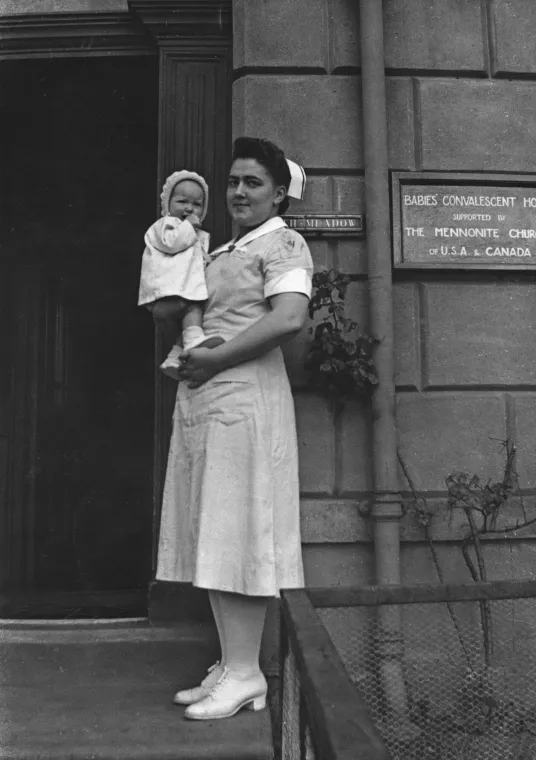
(471, 179)
(335, 224)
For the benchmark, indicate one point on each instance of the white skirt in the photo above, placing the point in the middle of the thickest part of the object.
(230, 514)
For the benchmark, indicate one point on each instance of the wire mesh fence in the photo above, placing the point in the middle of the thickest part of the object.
(442, 681)
(322, 716)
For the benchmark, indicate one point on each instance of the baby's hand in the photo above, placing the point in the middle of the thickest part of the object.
(194, 220)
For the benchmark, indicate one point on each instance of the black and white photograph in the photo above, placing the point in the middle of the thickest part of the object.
(268, 380)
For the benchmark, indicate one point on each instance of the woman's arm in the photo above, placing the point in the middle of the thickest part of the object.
(288, 315)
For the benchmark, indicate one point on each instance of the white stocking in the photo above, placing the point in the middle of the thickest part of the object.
(214, 597)
(242, 621)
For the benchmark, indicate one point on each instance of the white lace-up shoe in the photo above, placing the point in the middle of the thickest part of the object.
(228, 696)
(170, 365)
(189, 696)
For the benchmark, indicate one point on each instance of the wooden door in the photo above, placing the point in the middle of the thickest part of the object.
(77, 366)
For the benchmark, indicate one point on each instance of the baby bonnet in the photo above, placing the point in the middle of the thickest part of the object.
(177, 177)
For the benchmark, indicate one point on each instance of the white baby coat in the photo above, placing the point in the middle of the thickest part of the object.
(173, 261)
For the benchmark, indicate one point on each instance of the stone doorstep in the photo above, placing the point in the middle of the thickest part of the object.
(96, 631)
(104, 692)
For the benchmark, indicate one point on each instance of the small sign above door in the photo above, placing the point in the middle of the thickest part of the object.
(461, 221)
(331, 224)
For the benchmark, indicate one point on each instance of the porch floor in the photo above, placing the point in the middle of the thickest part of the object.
(103, 692)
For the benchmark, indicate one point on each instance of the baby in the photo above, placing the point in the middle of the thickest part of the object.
(172, 283)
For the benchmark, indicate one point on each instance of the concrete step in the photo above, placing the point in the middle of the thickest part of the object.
(76, 692)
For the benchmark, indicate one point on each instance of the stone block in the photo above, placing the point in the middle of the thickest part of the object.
(321, 252)
(348, 195)
(480, 334)
(418, 565)
(337, 521)
(440, 433)
(520, 556)
(318, 196)
(344, 34)
(239, 107)
(514, 34)
(477, 125)
(407, 338)
(351, 255)
(349, 198)
(525, 438)
(419, 35)
(355, 450)
(316, 444)
(500, 559)
(279, 34)
(400, 140)
(342, 565)
(297, 112)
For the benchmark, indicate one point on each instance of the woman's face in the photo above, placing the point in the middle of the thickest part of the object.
(252, 195)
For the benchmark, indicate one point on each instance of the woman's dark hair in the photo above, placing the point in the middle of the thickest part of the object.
(268, 155)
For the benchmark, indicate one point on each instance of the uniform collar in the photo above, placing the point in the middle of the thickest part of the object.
(275, 223)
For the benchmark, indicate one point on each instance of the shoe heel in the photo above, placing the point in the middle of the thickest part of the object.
(259, 703)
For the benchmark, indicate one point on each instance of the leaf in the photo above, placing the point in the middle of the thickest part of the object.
(339, 359)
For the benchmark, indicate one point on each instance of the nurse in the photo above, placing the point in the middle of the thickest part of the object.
(230, 515)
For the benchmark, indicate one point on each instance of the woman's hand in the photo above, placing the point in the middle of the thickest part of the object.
(289, 312)
(198, 365)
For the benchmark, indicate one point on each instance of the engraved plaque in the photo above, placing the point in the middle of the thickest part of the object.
(464, 221)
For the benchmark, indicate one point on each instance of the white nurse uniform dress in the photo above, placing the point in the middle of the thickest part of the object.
(230, 514)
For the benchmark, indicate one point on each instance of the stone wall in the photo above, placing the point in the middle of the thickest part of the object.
(46, 7)
(461, 88)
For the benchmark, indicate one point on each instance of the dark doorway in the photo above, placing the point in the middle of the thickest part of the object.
(76, 376)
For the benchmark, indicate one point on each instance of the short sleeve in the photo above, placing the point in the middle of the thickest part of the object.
(288, 266)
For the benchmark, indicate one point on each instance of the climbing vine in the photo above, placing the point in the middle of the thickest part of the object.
(340, 357)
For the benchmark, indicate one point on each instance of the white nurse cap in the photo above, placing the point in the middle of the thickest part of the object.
(296, 188)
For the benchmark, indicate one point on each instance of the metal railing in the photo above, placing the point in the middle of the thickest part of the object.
(467, 654)
(323, 716)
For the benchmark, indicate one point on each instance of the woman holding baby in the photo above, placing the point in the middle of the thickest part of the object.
(230, 515)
